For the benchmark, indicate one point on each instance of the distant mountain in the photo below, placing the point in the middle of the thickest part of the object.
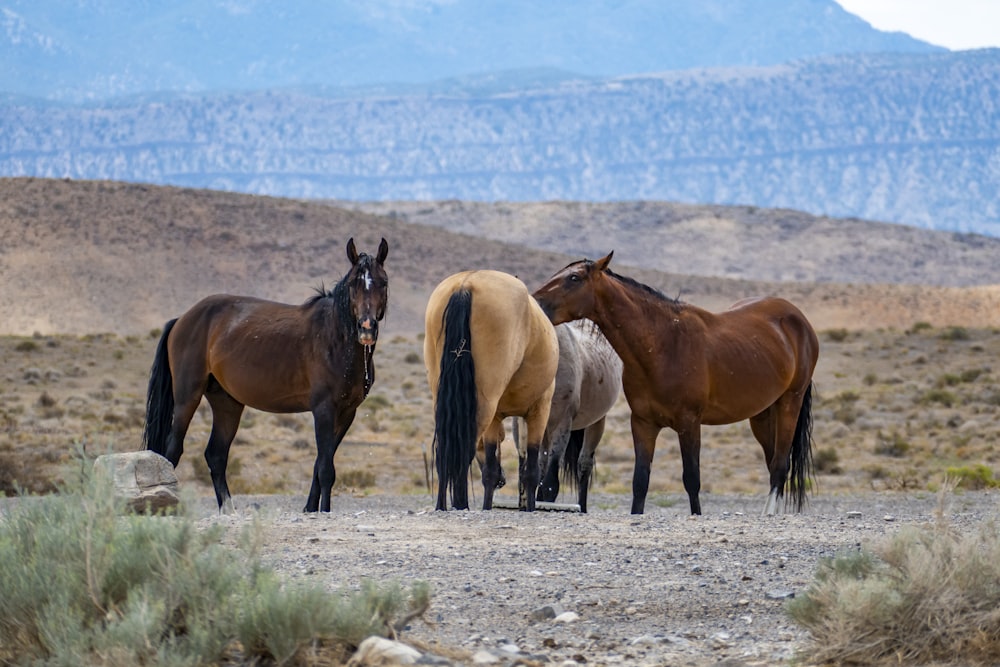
(898, 138)
(95, 49)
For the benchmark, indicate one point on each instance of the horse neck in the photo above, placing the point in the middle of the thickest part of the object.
(629, 317)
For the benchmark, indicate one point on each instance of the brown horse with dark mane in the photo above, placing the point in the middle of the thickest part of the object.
(684, 367)
(239, 351)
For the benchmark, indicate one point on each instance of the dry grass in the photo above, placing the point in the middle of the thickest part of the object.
(875, 427)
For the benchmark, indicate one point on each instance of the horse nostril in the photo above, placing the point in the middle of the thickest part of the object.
(366, 324)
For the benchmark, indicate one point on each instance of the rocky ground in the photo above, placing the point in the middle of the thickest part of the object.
(604, 588)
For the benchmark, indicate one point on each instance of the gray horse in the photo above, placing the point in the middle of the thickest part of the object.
(588, 383)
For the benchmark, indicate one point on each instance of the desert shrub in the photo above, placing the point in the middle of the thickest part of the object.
(357, 479)
(976, 477)
(942, 396)
(836, 335)
(27, 346)
(869, 379)
(926, 595)
(413, 358)
(892, 444)
(955, 333)
(84, 583)
(920, 326)
(971, 374)
(826, 460)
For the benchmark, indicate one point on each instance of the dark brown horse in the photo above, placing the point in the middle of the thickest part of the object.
(684, 367)
(239, 351)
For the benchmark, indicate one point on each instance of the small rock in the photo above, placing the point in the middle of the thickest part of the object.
(780, 595)
(547, 612)
(854, 515)
(380, 651)
(484, 658)
(566, 617)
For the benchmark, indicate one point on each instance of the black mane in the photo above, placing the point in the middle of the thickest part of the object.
(632, 282)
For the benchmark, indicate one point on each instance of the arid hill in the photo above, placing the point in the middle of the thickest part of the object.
(84, 256)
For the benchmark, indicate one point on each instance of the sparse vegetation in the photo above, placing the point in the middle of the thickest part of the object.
(84, 584)
(925, 595)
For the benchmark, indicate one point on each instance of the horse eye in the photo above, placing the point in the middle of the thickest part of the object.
(573, 278)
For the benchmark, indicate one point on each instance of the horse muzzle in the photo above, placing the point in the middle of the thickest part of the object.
(368, 331)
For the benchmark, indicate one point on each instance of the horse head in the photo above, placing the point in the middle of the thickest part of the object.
(569, 294)
(368, 286)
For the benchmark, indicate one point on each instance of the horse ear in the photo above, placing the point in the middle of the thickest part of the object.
(383, 251)
(602, 264)
(352, 252)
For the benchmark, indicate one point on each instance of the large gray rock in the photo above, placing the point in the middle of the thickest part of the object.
(144, 479)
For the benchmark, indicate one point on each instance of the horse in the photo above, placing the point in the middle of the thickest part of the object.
(490, 353)
(240, 351)
(588, 383)
(685, 366)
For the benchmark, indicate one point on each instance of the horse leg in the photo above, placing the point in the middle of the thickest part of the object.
(774, 429)
(491, 471)
(528, 473)
(591, 438)
(644, 443)
(551, 457)
(690, 444)
(184, 409)
(330, 430)
(226, 413)
(481, 460)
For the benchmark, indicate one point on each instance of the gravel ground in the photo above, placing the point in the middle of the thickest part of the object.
(604, 588)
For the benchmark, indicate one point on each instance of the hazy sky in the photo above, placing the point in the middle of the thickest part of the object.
(955, 24)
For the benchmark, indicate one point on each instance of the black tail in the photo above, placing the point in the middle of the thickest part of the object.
(801, 471)
(456, 405)
(571, 459)
(159, 399)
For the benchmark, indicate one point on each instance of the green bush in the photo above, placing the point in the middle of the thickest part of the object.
(83, 582)
(974, 478)
(926, 595)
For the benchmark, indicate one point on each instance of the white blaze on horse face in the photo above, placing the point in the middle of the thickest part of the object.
(368, 280)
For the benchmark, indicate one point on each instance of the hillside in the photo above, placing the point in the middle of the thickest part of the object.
(86, 257)
(898, 138)
(739, 242)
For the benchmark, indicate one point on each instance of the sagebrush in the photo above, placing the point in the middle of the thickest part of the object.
(927, 594)
(85, 583)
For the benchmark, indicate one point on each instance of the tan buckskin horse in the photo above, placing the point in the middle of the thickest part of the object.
(239, 351)
(684, 367)
(490, 353)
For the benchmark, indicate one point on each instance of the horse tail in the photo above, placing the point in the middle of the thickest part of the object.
(571, 459)
(456, 404)
(802, 470)
(159, 398)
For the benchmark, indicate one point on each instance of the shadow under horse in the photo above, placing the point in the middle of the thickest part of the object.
(240, 351)
(490, 353)
(685, 366)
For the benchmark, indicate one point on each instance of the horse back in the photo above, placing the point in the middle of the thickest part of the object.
(250, 346)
